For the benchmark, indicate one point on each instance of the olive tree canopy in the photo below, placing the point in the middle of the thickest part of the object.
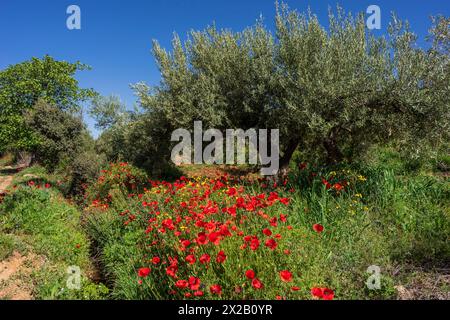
(333, 91)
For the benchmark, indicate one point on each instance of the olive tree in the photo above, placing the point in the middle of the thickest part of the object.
(333, 91)
(58, 133)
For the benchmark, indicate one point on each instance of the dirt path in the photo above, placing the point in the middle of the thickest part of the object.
(14, 267)
(6, 178)
(15, 282)
(5, 182)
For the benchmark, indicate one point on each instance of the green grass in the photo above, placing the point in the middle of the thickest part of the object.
(6, 246)
(443, 162)
(39, 175)
(51, 228)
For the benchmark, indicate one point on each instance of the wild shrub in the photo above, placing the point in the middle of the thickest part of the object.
(59, 134)
(118, 176)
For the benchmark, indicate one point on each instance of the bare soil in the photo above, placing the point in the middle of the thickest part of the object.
(14, 273)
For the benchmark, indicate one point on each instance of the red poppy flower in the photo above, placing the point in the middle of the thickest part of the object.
(254, 244)
(194, 283)
(295, 288)
(231, 211)
(216, 289)
(221, 257)
(267, 232)
(168, 224)
(214, 237)
(171, 271)
(272, 196)
(317, 292)
(202, 239)
(250, 274)
(326, 183)
(185, 243)
(190, 259)
(143, 272)
(205, 258)
(156, 260)
(273, 222)
(257, 284)
(198, 293)
(181, 284)
(328, 294)
(224, 231)
(231, 192)
(318, 228)
(286, 276)
(338, 186)
(271, 244)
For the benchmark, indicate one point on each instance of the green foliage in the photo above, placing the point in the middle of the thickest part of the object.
(409, 211)
(52, 223)
(6, 246)
(58, 133)
(118, 252)
(6, 159)
(84, 169)
(443, 163)
(141, 139)
(389, 159)
(52, 287)
(331, 92)
(119, 176)
(112, 143)
(442, 160)
(50, 226)
(108, 111)
(24, 84)
(37, 174)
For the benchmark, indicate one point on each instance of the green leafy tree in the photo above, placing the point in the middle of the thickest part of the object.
(23, 84)
(112, 117)
(140, 138)
(58, 133)
(332, 92)
(108, 111)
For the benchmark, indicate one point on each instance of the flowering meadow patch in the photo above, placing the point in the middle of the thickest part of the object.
(311, 236)
(211, 238)
(231, 237)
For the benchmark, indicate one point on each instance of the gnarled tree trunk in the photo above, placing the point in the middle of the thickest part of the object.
(334, 154)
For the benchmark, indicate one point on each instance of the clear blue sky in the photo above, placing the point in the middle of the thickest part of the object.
(115, 36)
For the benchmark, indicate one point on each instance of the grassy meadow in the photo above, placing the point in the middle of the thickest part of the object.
(235, 237)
